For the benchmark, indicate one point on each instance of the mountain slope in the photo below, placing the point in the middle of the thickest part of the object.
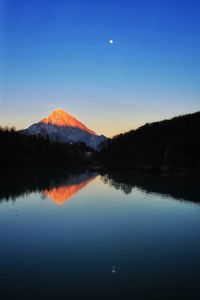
(60, 117)
(60, 126)
(169, 145)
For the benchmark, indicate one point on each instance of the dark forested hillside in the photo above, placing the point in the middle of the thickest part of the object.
(169, 145)
(25, 152)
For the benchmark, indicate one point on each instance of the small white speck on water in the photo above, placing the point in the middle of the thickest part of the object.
(113, 269)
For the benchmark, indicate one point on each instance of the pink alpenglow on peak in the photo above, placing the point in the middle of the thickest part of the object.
(62, 127)
(59, 117)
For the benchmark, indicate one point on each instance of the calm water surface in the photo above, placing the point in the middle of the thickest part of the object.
(94, 237)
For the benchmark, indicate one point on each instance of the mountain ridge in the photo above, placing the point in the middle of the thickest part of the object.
(60, 126)
(171, 145)
(59, 117)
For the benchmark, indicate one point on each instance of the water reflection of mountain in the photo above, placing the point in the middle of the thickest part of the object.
(57, 186)
(180, 187)
(68, 188)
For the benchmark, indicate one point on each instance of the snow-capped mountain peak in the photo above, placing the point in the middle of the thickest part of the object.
(62, 127)
(59, 117)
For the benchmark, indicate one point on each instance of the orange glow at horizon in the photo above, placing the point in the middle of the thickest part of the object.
(61, 194)
(108, 127)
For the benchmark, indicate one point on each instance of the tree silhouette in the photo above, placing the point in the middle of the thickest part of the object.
(169, 145)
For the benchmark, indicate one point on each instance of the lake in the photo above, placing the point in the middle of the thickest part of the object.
(87, 236)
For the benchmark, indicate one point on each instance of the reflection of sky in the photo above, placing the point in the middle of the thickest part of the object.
(57, 54)
(103, 209)
(79, 242)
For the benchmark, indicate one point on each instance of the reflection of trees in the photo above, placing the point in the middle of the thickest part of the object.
(15, 185)
(126, 188)
(177, 186)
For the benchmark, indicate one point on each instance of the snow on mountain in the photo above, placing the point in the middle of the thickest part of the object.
(60, 117)
(62, 127)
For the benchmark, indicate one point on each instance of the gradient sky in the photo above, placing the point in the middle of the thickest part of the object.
(56, 54)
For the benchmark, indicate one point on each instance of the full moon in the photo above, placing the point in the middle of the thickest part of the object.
(111, 41)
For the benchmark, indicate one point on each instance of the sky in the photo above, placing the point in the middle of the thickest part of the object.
(56, 54)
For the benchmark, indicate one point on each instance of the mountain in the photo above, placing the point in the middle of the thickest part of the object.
(168, 145)
(60, 126)
(60, 117)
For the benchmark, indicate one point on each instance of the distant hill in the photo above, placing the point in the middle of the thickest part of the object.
(169, 145)
(60, 126)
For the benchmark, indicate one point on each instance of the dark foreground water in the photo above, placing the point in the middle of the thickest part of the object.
(92, 237)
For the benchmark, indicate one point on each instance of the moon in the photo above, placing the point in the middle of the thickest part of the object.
(111, 42)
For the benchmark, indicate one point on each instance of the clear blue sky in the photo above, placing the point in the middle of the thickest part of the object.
(56, 54)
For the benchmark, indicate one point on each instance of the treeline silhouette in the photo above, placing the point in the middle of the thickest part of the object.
(169, 145)
(21, 151)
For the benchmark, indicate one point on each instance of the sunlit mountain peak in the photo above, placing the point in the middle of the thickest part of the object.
(60, 126)
(59, 117)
